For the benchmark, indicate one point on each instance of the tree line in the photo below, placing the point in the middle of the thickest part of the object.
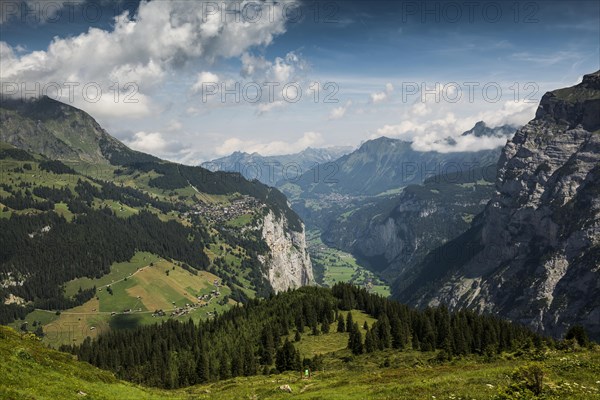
(257, 338)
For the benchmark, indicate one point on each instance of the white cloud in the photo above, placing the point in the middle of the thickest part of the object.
(162, 36)
(380, 97)
(431, 134)
(204, 78)
(278, 147)
(266, 107)
(339, 112)
(420, 109)
(148, 142)
(511, 113)
(281, 70)
(174, 126)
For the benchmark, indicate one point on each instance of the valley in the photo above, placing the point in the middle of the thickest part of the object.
(343, 200)
(332, 265)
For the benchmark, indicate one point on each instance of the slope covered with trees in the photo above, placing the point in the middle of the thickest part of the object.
(255, 338)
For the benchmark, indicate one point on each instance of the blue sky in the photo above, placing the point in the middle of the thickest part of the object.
(365, 57)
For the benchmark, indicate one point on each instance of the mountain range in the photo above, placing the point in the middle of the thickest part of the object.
(533, 254)
(75, 202)
(273, 169)
(385, 164)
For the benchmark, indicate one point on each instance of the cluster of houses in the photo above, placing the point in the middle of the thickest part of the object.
(216, 213)
(203, 301)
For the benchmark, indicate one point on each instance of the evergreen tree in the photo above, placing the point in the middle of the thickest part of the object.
(355, 339)
(267, 346)
(325, 323)
(349, 321)
(369, 345)
(287, 358)
(578, 333)
(341, 326)
(202, 371)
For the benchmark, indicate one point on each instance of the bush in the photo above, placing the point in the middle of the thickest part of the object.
(527, 381)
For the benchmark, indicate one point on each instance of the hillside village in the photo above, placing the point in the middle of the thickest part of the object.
(218, 213)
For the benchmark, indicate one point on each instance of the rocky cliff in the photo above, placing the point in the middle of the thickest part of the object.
(533, 255)
(391, 235)
(288, 263)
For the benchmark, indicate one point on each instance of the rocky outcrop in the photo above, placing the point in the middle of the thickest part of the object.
(534, 253)
(391, 235)
(288, 263)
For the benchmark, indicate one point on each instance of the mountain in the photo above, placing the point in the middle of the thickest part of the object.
(533, 254)
(63, 132)
(384, 164)
(391, 234)
(482, 130)
(273, 169)
(76, 216)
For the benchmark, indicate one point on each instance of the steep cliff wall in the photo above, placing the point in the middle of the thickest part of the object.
(392, 235)
(288, 264)
(534, 253)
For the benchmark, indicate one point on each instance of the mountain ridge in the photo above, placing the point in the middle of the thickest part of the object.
(533, 254)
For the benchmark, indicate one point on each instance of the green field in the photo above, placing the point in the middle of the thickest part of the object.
(339, 266)
(29, 370)
(311, 345)
(139, 287)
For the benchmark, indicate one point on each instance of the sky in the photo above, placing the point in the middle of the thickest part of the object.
(190, 81)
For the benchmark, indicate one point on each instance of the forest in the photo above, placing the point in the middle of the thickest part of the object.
(254, 339)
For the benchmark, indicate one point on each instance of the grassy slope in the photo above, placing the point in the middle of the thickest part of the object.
(31, 371)
(128, 280)
(180, 286)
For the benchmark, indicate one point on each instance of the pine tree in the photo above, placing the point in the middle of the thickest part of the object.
(250, 366)
(355, 340)
(297, 337)
(349, 321)
(267, 348)
(325, 324)
(341, 326)
(202, 367)
(369, 346)
(287, 358)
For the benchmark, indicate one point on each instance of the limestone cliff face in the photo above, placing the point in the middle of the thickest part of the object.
(535, 250)
(288, 262)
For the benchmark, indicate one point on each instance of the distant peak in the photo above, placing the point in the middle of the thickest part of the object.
(591, 81)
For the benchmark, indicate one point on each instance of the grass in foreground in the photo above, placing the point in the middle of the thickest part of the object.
(31, 371)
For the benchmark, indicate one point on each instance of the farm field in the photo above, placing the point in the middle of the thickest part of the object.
(128, 296)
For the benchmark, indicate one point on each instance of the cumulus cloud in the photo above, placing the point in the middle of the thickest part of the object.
(159, 144)
(380, 97)
(142, 48)
(281, 70)
(339, 112)
(148, 142)
(204, 78)
(278, 147)
(444, 134)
